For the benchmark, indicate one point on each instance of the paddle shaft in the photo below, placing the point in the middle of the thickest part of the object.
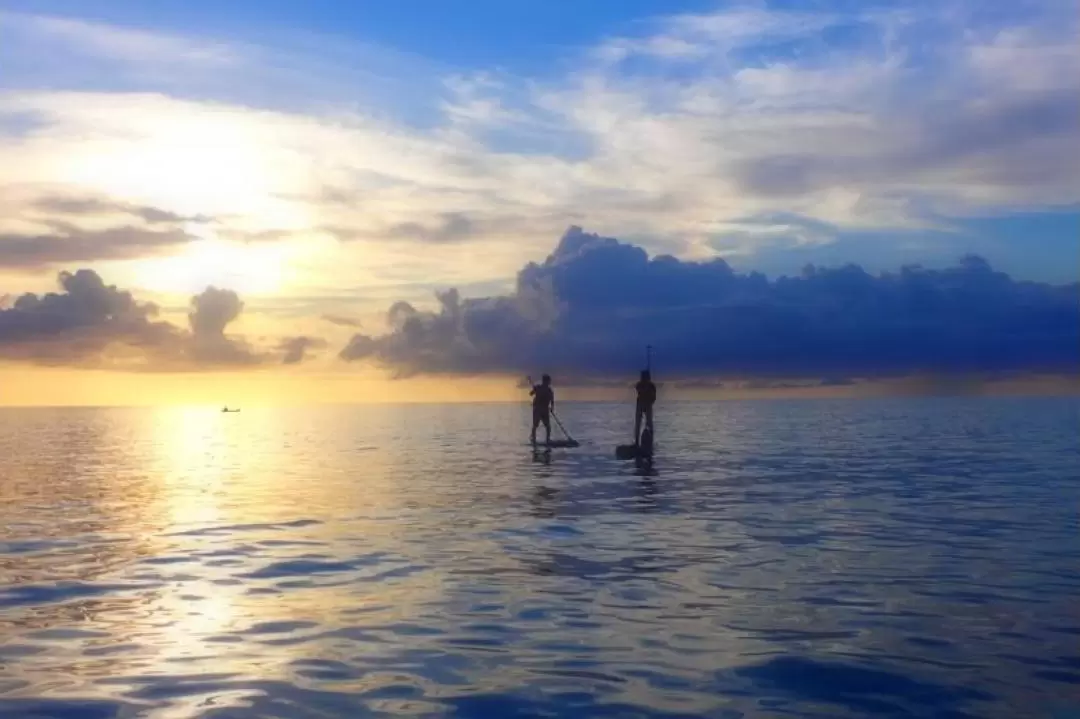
(561, 426)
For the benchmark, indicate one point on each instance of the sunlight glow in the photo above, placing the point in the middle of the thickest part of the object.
(195, 161)
(250, 269)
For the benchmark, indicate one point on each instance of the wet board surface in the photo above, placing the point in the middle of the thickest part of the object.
(630, 451)
(556, 444)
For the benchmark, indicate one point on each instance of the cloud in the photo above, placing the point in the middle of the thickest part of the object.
(449, 227)
(40, 228)
(90, 323)
(35, 251)
(211, 312)
(97, 206)
(296, 348)
(341, 320)
(869, 119)
(595, 302)
(79, 322)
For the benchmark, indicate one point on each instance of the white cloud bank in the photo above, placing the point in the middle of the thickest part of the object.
(708, 127)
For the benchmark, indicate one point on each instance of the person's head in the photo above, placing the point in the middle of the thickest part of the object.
(546, 379)
(646, 375)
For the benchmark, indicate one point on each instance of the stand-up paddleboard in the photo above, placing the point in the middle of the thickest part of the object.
(632, 451)
(556, 444)
(644, 450)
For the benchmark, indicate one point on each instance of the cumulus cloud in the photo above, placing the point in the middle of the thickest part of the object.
(594, 303)
(212, 310)
(90, 323)
(295, 349)
(79, 322)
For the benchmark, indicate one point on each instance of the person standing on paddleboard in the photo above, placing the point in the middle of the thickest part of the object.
(543, 404)
(646, 398)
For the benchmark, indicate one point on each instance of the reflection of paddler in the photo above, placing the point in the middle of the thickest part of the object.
(543, 404)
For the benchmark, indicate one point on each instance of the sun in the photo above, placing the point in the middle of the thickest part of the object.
(183, 157)
(228, 170)
(251, 269)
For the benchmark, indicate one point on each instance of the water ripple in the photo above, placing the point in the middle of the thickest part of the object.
(805, 559)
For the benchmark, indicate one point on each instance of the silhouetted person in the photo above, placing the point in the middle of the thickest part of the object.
(646, 398)
(543, 403)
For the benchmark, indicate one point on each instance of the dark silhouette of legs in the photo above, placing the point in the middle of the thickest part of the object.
(538, 419)
(638, 413)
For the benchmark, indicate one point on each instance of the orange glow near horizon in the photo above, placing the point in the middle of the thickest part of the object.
(30, 386)
(44, 387)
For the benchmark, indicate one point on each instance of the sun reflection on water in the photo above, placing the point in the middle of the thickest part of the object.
(336, 562)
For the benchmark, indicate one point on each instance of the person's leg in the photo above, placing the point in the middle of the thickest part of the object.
(547, 428)
(637, 424)
(535, 424)
(648, 417)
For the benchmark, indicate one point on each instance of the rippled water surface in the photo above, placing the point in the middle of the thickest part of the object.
(782, 559)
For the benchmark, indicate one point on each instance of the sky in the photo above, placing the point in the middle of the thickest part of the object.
(270, 201)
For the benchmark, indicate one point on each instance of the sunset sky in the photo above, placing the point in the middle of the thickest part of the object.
(270, 201)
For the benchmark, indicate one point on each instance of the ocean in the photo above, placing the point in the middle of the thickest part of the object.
(855, 558)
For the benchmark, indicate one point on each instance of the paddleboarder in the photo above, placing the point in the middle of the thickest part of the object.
(543, 405)
(646, 398)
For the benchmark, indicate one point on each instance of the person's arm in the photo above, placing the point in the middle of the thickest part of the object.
(552, 400)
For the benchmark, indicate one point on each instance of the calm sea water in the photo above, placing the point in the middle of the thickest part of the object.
(783, 559)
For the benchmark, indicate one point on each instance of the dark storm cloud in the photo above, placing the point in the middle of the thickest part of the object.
(71, 244)
(592, 305)
(90, 323)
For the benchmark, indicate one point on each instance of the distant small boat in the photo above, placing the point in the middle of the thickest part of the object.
(226, 409)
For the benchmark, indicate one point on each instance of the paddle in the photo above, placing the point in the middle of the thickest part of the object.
(562, 428)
